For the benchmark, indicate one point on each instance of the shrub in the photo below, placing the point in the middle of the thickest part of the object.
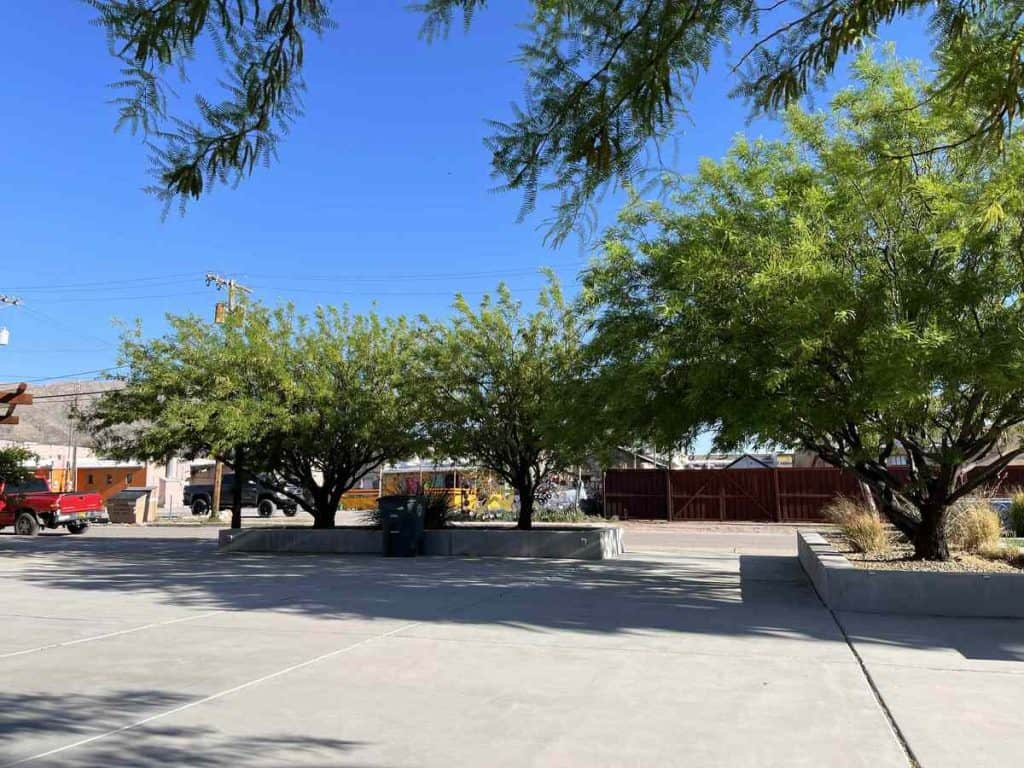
(1002, 552)
(861, 525)
(1016, 511)
(973, 525)
(438, 509)
(570, 515)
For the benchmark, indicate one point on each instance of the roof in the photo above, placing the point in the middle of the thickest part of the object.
(747, 457)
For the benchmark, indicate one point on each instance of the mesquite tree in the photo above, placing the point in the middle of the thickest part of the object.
(500, 378)
(604, 77)
(313, 404)
(836, 292)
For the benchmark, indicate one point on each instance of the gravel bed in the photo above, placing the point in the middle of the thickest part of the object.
(901, 558)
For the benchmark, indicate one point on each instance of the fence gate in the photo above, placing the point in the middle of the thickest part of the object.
(770, 494)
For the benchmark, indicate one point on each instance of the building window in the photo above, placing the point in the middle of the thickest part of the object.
(110, 479)
(128, 477)
(88, 479)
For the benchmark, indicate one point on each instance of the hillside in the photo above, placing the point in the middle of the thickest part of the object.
(47, 420)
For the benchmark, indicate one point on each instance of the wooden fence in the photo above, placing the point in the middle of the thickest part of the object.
(782, 495)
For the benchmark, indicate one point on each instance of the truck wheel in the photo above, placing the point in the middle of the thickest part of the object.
(25, 524)
(200, 506)
(266, 507)
(290, 511)
(78, 527)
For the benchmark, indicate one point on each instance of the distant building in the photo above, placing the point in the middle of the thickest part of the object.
(736, 461)
(66, 453)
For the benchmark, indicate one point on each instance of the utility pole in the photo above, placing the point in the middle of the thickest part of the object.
(232, 286)
(5, 335)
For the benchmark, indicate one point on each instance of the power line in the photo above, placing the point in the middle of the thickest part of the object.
(156, 279)
(373, 293)
(73, 395)
(418, 276)
(69, 375)
(94, 299)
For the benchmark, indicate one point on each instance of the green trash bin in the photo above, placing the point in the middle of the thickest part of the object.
(401, 521)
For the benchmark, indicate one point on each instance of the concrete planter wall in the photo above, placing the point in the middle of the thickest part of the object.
(844, 587)
(344, 541)
(575, 543)
(582, 543)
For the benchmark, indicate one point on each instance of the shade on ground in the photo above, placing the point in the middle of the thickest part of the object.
(152, 650)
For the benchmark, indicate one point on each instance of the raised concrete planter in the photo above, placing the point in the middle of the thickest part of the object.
(346, 541)
(582, 543)
(844, 587)
(597, 543)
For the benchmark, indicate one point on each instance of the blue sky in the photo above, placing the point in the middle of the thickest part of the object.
(382, 193)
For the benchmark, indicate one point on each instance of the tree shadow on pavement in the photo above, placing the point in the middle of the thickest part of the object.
(692, 593)
(976, 639)
(26, 717)
(696, 594)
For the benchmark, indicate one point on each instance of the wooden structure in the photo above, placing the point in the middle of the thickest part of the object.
(769, 494)
(12, 399)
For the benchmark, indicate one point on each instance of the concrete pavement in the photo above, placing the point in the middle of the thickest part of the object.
(145, 648)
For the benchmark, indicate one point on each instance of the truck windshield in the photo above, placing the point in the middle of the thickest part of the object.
(34, 485)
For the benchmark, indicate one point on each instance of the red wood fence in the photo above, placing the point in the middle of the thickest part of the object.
(785, 495)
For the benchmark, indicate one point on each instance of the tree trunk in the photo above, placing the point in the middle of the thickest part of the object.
(930, 538)
(236, 491)
(525, 507)
(323, 518)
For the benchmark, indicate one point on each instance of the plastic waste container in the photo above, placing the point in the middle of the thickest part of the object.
(401, 520)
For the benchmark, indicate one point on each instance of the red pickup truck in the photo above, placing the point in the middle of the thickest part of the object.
(32, 505)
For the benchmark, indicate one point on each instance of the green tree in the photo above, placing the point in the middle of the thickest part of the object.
(603, 76)
(501, 378)
(14, 462)
(815, 293)
(261, 44)
(314, 402)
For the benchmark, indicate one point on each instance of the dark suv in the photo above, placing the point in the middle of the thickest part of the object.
(199, 497)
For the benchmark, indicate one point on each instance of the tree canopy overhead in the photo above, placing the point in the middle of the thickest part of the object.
(604, 77)
(261, 44)
(816, 293)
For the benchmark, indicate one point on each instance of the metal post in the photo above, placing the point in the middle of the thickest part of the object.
(778, 500)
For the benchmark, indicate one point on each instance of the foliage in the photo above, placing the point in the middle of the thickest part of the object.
(1004, 553)
(972, 525)
(604, 77)
(861, 525)
(438, 507)
(317, 402)
(261, 45)
(813, 292)
(1016, 512)
(438, 511)
(13, 464)
(540, 515)
(500, 378)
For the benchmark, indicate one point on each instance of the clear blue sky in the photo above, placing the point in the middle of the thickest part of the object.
(382, 192)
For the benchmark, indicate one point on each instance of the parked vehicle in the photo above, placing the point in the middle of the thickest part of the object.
(199, 496)
(31, 506)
